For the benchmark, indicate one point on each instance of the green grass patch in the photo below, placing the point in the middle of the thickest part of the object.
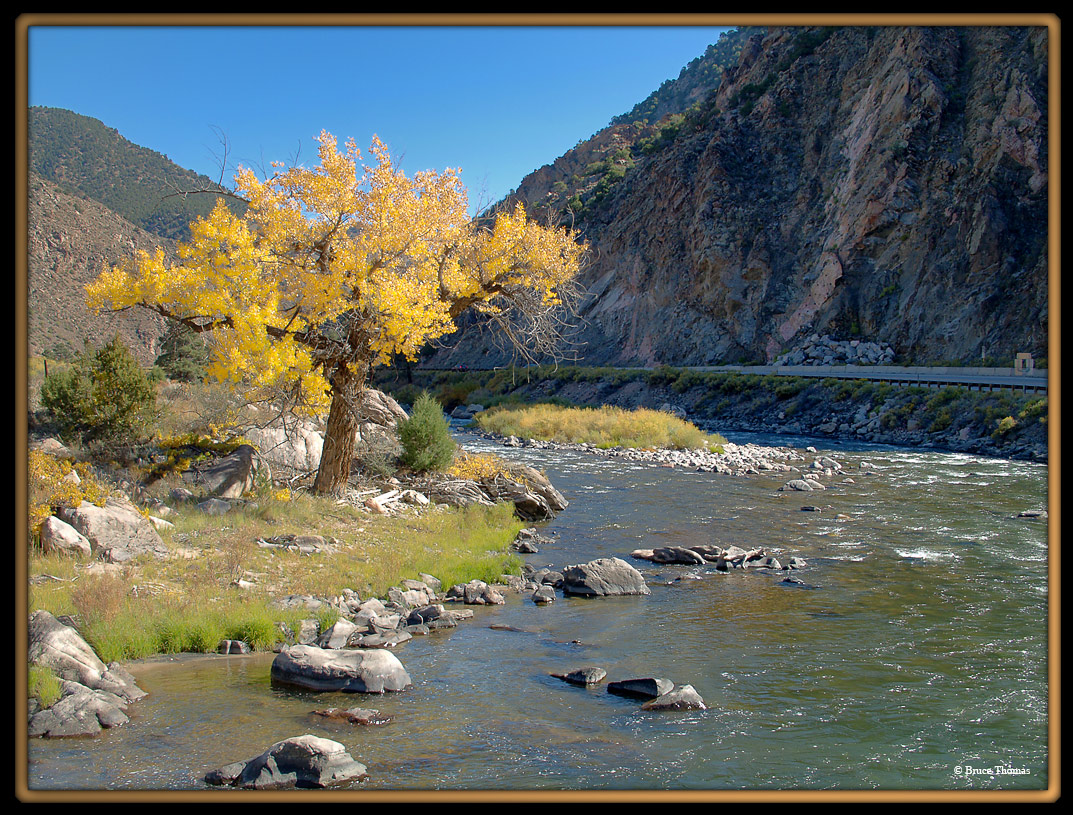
(189, 603)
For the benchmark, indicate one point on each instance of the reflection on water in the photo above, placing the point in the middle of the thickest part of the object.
(916, 647)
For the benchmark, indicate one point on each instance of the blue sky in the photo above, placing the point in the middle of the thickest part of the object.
(497, 102)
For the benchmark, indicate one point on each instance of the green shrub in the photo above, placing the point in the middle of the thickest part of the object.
(104, 396)
(426, 437)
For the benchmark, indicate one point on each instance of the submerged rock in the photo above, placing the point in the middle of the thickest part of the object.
(354, 715)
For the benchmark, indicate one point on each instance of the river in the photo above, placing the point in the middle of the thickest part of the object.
(913, 656)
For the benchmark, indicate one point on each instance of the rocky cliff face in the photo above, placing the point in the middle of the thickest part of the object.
(887, 184)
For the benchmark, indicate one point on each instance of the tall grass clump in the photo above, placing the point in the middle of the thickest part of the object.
(603, 427)
(44, 685)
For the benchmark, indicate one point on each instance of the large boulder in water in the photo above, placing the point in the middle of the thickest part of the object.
(373, 670)
(93, 695)
(603, 577)
(304, 761)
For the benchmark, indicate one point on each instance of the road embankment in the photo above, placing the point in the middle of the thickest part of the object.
(1003, 423)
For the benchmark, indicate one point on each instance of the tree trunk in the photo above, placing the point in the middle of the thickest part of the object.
(338, 451)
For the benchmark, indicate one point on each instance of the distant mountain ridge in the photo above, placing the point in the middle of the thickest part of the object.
(85, 157)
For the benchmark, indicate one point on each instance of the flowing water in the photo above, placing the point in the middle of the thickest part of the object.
(914, 656)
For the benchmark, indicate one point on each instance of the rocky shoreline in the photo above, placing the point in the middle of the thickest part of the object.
(356, 654)
(736, 459)
(996, 425)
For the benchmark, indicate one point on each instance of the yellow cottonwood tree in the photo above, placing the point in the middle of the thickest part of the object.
(334, 270)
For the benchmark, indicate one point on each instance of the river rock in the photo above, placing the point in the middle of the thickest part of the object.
(583, 676)
(648, 688)
(387, 639)
(60, 648)
(372, 670)
(305, 761)
(337, 635)
(233, 647)
(676, 554)
(684, 697)
(94, 695)
(354, 715)
(533, 495)
(543, 595)
(479, 593)
(80, 711)
(603, 577)
(425, 614)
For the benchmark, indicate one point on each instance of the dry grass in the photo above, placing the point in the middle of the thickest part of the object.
(603, 427)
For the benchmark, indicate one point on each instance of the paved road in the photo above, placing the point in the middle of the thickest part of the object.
(986, 379)
(937, 377)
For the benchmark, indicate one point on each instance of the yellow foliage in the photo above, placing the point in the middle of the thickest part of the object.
(477, 466)
(340, 264)
(55, 483)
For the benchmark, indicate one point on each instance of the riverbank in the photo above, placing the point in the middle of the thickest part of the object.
(914, 629)
(1000, 424)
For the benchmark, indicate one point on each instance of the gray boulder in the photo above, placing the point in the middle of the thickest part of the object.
(603, 577)
(338, 634)
(80, 711)
(60, 537)
(305, 761)
(583, 676)
(684, 697)
(479, 593)
(543, 595)
(234, 475)
(648, 688)
(373, 670)
(60, 648)
(376, 407)
(294, 447)
(117, 532)
(676, 554)
(93, 695)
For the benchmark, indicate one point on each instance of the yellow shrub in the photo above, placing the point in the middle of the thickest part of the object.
(50, 486)
(477, 466)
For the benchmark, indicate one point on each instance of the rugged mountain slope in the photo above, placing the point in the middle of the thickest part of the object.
(88, 159)
(882, 183)
(70, 241)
